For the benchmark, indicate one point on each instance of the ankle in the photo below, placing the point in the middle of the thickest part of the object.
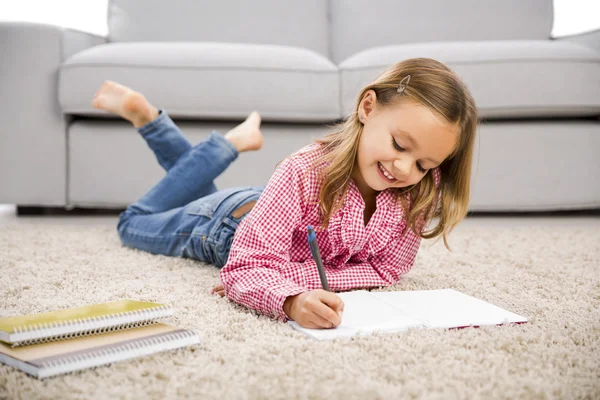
(148, 115)
(238, 144)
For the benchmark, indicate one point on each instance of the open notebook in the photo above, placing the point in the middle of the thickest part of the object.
(367, 312)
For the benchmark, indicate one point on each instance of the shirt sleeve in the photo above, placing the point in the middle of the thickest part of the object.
(382, 269)
(259, 255)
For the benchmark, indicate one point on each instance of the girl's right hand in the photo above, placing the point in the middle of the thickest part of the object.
(316, 309)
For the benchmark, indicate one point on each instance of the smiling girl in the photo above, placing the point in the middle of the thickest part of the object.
(372, 186)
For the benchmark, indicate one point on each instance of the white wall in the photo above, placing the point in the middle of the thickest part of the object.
(575, 16)
(570, 16)
(83, 15)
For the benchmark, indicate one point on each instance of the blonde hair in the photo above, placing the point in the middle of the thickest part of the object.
(435, 86)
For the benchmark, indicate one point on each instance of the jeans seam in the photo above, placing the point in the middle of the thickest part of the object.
(139, 233)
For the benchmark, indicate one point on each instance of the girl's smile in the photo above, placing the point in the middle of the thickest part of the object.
(385, 174)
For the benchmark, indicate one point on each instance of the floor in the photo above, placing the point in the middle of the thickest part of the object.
(544, 267)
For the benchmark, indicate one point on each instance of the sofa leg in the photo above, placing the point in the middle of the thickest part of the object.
(41, 210)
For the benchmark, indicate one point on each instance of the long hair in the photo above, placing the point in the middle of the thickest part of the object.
(437, 87)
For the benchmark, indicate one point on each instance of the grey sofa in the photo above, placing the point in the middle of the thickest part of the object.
(300, 64)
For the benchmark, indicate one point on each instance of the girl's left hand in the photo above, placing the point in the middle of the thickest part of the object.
(219, 289)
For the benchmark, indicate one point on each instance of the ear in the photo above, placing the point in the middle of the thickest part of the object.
(367, 105)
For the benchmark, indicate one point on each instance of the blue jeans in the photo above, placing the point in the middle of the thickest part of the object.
(185, 215)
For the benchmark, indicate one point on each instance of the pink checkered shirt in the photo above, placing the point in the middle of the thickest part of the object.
(270, 257)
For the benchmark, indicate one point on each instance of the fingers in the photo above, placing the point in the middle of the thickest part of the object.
(219, 289)
(320, 322)
(324, 314)
(334, 301)
(326, 308)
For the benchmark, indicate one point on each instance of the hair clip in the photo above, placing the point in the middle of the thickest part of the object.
(401, 86)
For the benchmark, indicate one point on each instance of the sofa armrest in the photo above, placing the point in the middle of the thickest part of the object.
(588, 39)
(33, 140)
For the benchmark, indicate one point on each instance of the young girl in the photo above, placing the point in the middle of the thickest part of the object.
(371, 186)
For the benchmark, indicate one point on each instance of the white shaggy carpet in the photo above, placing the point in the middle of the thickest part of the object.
(549, 274)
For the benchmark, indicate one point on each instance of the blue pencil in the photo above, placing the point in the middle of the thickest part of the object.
(314, 250)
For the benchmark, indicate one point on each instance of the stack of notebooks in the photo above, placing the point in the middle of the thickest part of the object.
(366, 313)
(49, 344)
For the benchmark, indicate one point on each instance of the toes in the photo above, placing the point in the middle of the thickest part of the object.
(102, 88)
(255, 119)
(105, 85)
(96, 101)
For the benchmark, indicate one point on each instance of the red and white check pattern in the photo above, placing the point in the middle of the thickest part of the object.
(270, 257)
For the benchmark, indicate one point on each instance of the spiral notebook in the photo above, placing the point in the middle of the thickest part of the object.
(82, 321)
(366, 313)
(52, 358)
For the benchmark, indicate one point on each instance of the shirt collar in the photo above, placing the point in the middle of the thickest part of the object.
(386, 198)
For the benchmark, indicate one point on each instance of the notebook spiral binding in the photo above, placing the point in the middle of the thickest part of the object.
(62, 330)
(110, 352)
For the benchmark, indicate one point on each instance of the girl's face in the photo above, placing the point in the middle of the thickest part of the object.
(399, 144)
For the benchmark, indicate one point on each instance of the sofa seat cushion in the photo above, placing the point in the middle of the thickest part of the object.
(208, 80)
(513, 78)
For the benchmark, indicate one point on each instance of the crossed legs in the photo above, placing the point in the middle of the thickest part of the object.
(158, 221)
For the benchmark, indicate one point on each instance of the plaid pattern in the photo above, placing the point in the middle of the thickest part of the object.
(270, 257)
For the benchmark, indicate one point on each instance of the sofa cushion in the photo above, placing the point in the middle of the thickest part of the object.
(298, 23)
(208, 80)
(359, 25)
(507, 78)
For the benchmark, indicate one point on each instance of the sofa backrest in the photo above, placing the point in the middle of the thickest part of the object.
(357, 25)
(334, 28)
(301, 23)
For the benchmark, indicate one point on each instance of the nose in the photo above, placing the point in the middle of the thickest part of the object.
(404, 167)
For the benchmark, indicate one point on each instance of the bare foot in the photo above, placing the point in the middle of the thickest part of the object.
(247, 136)
(125, 102)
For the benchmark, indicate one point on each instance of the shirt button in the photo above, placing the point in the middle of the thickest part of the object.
(357, 248)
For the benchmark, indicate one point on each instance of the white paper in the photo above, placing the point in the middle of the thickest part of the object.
(368, 312)
(363, 314)
(447, 308)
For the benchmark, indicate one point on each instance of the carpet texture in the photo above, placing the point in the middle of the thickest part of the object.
(550, 275)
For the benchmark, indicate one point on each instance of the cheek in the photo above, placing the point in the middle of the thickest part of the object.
(373, 152)
(414, 179)
(372, 149)
(365, 151)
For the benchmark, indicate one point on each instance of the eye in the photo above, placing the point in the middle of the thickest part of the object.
(397, 147)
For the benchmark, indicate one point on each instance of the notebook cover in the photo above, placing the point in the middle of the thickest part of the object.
(57, 358)
(52, 349)
(9, 324)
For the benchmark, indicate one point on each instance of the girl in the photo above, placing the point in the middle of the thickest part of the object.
(372, 185)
